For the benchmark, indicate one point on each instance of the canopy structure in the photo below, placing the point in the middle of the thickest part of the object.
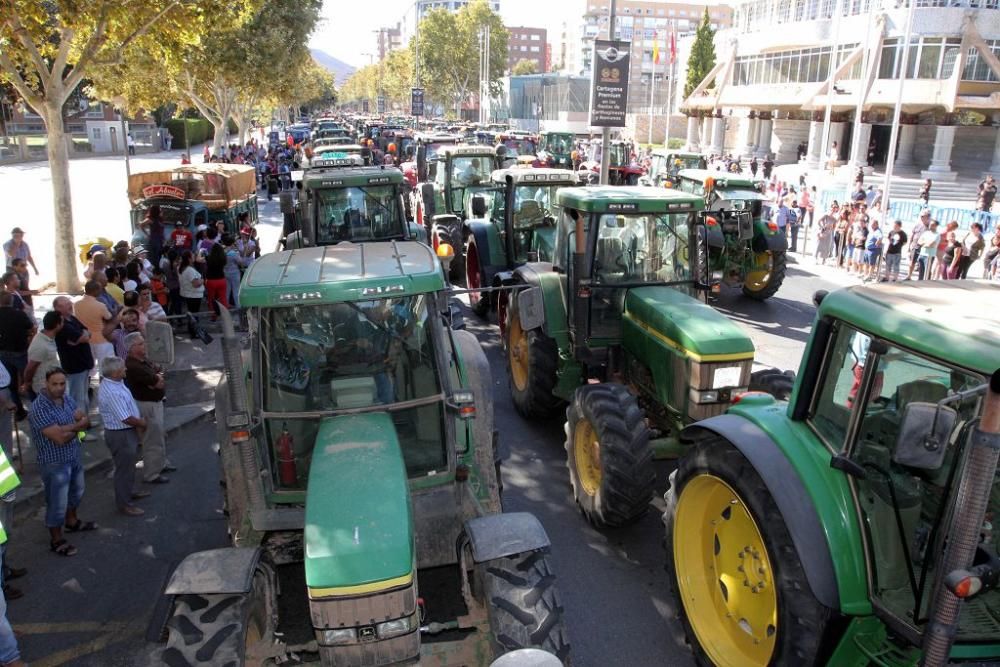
(217, 185)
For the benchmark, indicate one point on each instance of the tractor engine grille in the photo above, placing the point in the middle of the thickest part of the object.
(355, 632)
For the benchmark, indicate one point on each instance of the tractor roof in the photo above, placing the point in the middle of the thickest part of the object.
(534, 175)
(948, 320)
(342, 272)
(334, 177)
(723, 180)
(474, 150)
(621, 199)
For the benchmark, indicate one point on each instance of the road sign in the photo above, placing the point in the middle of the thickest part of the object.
(417, 101)
(609, 83)
(364, 106)
(381, 104)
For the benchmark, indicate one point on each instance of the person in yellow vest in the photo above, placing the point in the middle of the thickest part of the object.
(10, 655)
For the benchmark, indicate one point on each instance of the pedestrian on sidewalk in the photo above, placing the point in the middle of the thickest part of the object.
(925, 192)
(894, 251)
(914, 248)
(825, 234)
(95, 317)
(20, 269)
(192, 287)
(56, 422)
(7, 409)
(15, 333)
(16, 248)
(952, 259)
(9, 653)
(12, 285)
(873, 252)
(973, 245)
(234, 270)
(43, 355)
(147, 383)
(984, 201)
(940, 266)
(75, 356)
(927, 243)
(121, 419)
(792, 226)
(150, 307)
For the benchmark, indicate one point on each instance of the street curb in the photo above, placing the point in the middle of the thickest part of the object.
(28, 503)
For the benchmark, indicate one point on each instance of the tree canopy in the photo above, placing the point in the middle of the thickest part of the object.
(702, 57)
(524, 66)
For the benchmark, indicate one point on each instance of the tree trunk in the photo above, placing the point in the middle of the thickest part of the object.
(67, 276)
(220, 134)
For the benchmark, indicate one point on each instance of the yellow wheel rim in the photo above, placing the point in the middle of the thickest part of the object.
(760, 276)
(587, 456)
(517, 353)
(724, 574)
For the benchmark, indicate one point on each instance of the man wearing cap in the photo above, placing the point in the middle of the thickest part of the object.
(914, 248)
(16, 248)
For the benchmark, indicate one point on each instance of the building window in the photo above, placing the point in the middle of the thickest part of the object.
(535, 38)
(535, 49)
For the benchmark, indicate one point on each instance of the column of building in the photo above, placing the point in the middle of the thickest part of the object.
(814, 150)
(693, 140)
(995, 164)
(906, 142)
(718, 133)
(749, 132)
(940, 167)
(764, 137)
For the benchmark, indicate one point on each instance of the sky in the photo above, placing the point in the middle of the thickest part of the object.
(347, 31)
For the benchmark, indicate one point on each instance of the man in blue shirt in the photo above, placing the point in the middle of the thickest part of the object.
(873, 252)
(55, 426)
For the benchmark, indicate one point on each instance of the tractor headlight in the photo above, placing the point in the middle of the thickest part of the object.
(400, 626)
(704, 396)
(726, 376)
(339, 636)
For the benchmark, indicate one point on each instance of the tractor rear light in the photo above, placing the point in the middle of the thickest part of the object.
(773, 226)
(239, 436)
(584, 292)
(711, 222)
(965, 586)
(464, 403)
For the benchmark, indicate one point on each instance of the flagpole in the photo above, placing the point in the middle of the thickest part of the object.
(670, 86)
(652, 88)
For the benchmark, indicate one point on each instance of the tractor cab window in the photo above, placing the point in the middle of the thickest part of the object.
(644, 248)
(566, 240)
(358, 214)
(470, 171)
(557, 143)
(534, 206)
(618, 155)
(361, 356)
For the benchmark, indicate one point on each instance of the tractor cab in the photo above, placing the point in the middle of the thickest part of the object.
(746, 249)
(341, 200)
(622, 169)
(665, 167)
(555, 149)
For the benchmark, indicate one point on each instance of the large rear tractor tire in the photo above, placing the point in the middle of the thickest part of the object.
(738, 582)
(219, 630)
(608, 454)
(764, 283)
(523, 605)
(532, 360)
(773, 381)
(475, 279)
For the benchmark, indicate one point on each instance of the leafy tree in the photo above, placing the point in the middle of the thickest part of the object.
(702, 58)
(522, 67)
(48, 48)
(449, 51)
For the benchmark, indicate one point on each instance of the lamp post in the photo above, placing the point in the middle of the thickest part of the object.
(606, 131)
(898, 111)
(119, 103)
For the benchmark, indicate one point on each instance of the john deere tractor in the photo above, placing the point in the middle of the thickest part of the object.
(361, 485)
(447, 184)
(854, 524)
(555, 149)
(519, 225)
(616, 326)
(746, 249)
(341, 200)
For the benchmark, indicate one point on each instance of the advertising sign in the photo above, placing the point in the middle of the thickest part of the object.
(417, 101)
(381, 104)
(153, 191)
(609, 83)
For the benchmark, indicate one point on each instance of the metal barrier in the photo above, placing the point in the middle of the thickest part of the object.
(908, 210)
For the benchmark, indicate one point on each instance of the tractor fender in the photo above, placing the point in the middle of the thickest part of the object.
(427, 198)
(538, 297)
(499, 535)
(768, 240)
(480, 231)
(227, 570)
(477, 377)
(789, 493)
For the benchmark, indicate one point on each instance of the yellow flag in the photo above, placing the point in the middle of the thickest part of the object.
(656, 50)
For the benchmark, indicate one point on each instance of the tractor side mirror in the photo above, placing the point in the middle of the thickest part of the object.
(160, 342)
(923, 436)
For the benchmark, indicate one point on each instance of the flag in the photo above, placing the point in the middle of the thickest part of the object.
(656, 49)
(673, 44)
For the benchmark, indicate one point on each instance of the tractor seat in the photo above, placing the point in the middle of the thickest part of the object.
(529, 214)
(353, 392)
(609, 261)
(924, 391)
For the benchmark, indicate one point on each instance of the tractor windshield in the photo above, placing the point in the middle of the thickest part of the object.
(361, 356)
(557, 143)
(618, 157)
(642, 248)
(358, 214)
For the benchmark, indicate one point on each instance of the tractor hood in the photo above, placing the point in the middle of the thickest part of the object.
(687, 324)
(358, 532)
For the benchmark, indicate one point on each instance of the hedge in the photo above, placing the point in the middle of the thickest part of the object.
(197, 130)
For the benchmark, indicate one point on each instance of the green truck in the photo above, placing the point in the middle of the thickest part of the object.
(852, 525)
(517, 225)
(361, 483)
(746, 249)
(339, 200)
(616, 326)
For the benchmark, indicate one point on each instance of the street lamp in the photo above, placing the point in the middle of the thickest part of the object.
(120, 103)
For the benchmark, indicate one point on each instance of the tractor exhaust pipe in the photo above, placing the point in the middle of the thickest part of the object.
(963, 538)
(238, 418)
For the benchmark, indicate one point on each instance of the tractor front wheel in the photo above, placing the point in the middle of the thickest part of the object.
(608, 454)
(532, 361)
(765, 278)
(523, 605)
(220, 629)
(474, 279)
(738, 583)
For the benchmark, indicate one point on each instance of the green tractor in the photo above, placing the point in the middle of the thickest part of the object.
(341, 200)
(666, 165)
(518, 226)
(853, 525)
(555, 149)
(443, 197)
(616, 326)
(746, 249)
(357, 449)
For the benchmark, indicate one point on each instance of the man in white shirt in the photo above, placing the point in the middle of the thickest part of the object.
(121, 418)
(43, 355)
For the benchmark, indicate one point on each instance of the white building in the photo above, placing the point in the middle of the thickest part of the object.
(419, 8)
(772, 76)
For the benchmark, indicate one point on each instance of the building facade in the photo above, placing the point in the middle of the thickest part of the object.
(388, 40)
(527, 44)
(419, 8)
(784, 62)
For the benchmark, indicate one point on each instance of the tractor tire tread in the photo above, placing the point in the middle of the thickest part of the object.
(206, 630)
(537, 400)
(778, 271)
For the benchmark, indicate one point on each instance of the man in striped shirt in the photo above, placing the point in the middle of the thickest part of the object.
(55, 425)
(121, 418)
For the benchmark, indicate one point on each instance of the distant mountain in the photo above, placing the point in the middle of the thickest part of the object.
(341, 71)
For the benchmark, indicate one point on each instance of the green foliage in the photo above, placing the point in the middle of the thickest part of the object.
(702, 58)
(188, 132)
(523, 67)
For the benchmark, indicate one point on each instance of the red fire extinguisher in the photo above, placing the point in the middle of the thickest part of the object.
(286, 458)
